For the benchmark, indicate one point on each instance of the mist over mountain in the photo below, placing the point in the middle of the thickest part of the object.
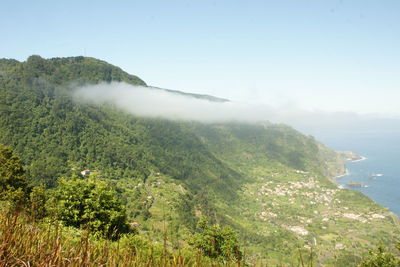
(173, 158)
(174, 105)
(151, 102)
(200, 133)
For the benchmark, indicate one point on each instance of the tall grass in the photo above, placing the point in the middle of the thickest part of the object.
(24, 242)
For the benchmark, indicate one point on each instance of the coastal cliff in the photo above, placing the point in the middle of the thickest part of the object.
(334, 162)
(349, 156)
(266, 181)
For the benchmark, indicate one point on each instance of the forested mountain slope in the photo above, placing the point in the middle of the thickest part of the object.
(268, 181)
(43, 123)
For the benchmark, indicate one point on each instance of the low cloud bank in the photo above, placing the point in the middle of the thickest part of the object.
(151, 102)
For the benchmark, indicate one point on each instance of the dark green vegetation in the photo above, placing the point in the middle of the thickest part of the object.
(89, 203)
(13, 182)
(216, 242)
(268, 182)
(34, 229)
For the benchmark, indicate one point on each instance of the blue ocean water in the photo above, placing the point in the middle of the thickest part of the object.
(382, 150)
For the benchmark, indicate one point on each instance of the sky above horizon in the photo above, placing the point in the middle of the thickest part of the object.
(335, 56)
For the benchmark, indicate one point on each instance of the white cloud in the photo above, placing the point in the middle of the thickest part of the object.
(151, 102)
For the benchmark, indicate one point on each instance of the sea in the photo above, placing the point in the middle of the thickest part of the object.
(379, 173)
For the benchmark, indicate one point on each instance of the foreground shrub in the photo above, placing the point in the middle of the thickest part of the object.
(90, 204)
(13, 182)
(216, 241)
(381, 258)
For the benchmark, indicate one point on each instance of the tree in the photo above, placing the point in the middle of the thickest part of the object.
(13, 182)
(90, 204)
(216, 241)
(381, 258)
(37, 201)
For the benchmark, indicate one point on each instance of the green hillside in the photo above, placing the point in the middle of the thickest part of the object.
(270, 183)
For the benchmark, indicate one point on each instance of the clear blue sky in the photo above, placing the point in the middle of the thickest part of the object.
(339, 55)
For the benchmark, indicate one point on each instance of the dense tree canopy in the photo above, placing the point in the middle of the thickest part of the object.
(90, 204)
(12, 174)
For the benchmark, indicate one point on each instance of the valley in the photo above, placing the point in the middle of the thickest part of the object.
(274, 186)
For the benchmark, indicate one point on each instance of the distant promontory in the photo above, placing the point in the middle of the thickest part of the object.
(349, 156)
